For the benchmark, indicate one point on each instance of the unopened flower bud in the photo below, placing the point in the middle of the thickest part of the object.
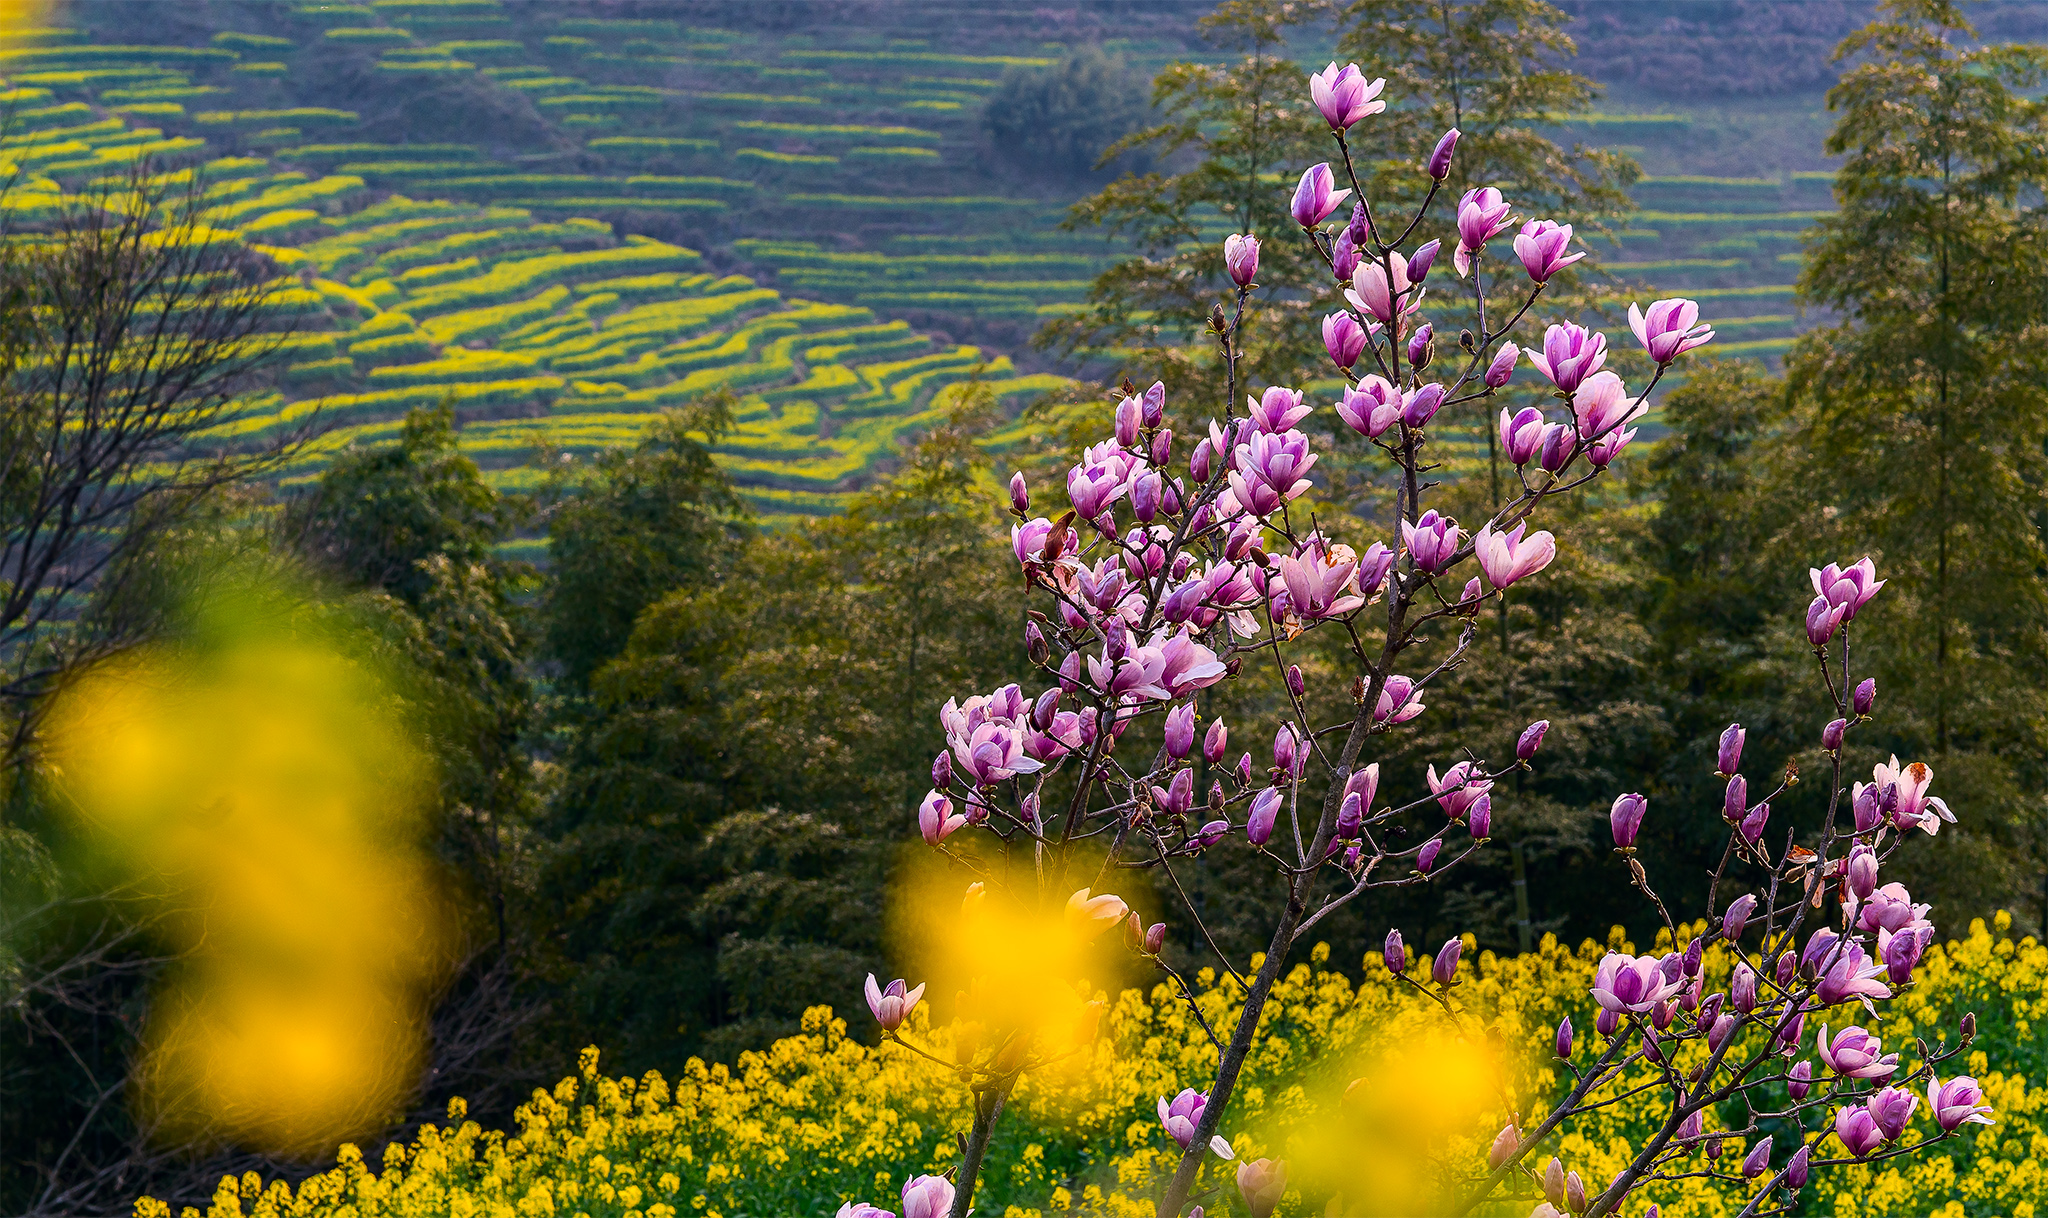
(1345, 255)
(1800, 1080)
(1213, 744)
(1295, 685)
(1427, 858)
(1439, 165)
(1350, 817)
(1564, 1038)
(1730, 755)
(942, 771)
(1502, 369)
(1607, 1022)
(1210, 833)
(1532, 739)
(1758, 1160)
(1443, 969)
(1162, 448)
(1241, 258)
(1735, 799)
(1553, 1182)
(1479, 818)
(1505, 1144)
(1070, 672)
(1421, 260)
(1797, 1168)
(1258, 827)
(1180, 730)
(1395, 952)
(1422, 346)
(1127, 422)
(1244, 769)
(1574, 1193)
(1865, 697)
(1155, 938)
(1694, 953)
(1152, 405)
(1742, 989)
(1737, 916)
(1625, 819)
(1718, 1034)
(1788, 963)
(1753, 823)
(1035, 646)
(1199, 460)
(1862, 870)
(1868, 814)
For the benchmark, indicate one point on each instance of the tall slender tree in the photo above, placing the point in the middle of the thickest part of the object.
(1926, 406)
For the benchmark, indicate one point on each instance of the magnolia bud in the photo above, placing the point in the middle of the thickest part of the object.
(1439, 165)
(1215, 742)
(1427, 858)
(1295, 685)
(1070, 672)
(942, 771)
(1788, 963)
(1035, 646)
(1753, 823)
(1758, 1161)
(1043, 710)
(1532, 739)
(1443, 969)
(1690, 964)
(1737, 916)
(1152, 406)
(1564, 1038)
(1865, 697)
(1162, 448)
(1553, 1182)
(1862, 871)
(1800, 1081)
(1422, 346)
(1180, 730)
(1625, 819)
(1607, 1022)
(1395, 952)
(1718, 1034)
(1198, 461)
(1155, 938)
(1831, 735)
(1574, 1193)
(1350, 817)
(1127, 422)
(1421, 260)
(1742, 989)
(1479, 817)
(1735, 799)
(1730, 755)
(1797, 1168)
(1502, 369)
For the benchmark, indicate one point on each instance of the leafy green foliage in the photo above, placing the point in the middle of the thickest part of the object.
(1062, 119)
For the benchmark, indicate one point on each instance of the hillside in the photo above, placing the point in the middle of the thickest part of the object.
(570, 215)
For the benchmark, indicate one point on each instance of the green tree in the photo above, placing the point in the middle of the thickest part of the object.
(1924, 410)
(735, 790)
(1060, 119)
(1247, 127)
(640, 523)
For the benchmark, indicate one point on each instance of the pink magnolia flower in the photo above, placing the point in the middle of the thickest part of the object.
(893, 1005)
(1822, 619)
(1277, 410)
(1852, 975)
(1890, 1110)
(1318, 588)
(1502, 369)
(1570, 354)
(1091, 915)
(1140, 673)
(1910, 805)
(936, 819)
(1559, 447)
(1901, 950)
(1432, 541)
(1855, 1053)
(1344, 96)
(1482, 216)
(1241, 258)
(1891, 908)
(1372, 407)
(1632, 983)
(1182, 1115)
(1376, 289)
(1262, 1182)
(1344, 338)
(1506, 557)
(1957, 1102)
(1271, 470)
(1852, 587)
(1602, 404)
(1521, 434)
(1186, 665)
(1028, 540)
(1093, 486)
(862, 1209)
(928, 1197)
(1316, 196)
(1541, 246)
(1399, 701)
(1457, 790)
(1859, 1134)
(1420, 404)
(1373, 566)
(1602, 452)
(1668, 330)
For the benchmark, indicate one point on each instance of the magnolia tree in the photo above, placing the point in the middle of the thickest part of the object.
(1159, 580)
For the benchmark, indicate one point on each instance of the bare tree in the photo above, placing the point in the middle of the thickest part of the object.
(128, 325)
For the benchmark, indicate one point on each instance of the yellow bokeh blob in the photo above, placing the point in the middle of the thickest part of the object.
(260, 791)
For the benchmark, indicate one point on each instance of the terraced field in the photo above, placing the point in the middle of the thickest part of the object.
(542, 213)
